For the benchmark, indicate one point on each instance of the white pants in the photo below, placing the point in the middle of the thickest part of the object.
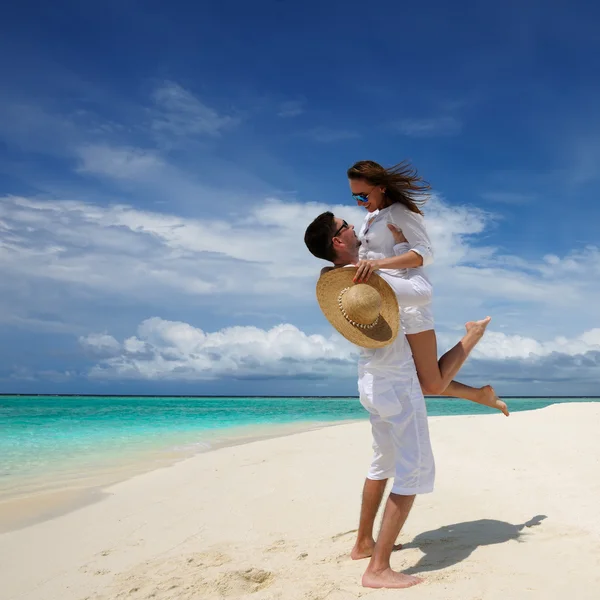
(416, 319)
(401, 443)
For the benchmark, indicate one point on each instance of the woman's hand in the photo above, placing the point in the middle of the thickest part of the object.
(397, 233)
(365, 268)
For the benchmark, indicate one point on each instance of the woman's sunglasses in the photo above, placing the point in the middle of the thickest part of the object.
(364, 198)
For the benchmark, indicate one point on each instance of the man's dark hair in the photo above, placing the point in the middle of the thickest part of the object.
(318, 236)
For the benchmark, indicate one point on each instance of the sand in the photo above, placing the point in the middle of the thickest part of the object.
(514, 515)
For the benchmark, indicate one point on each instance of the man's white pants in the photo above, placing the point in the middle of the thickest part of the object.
(401, 443)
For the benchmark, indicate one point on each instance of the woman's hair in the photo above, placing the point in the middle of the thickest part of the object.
(401, 182)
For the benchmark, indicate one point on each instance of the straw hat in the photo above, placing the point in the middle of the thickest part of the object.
(366, 314)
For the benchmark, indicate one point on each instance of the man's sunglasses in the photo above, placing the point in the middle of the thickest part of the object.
(343, 226)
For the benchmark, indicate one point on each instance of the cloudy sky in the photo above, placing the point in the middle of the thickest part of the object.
(159, 163)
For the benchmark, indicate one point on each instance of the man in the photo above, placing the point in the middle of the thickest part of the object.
(389, 389)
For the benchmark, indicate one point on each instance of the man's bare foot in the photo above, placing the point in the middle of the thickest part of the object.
(488, 398)
(389, 579)
(365, 550)
(477, 328)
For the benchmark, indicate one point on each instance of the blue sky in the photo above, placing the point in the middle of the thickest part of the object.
(159, 163)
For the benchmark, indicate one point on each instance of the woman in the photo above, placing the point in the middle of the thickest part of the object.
(393, 236)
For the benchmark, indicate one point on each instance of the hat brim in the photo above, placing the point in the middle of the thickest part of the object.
(330, 285)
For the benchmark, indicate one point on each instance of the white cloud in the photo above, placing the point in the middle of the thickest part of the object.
(428, 127)
(496, 345)
(179, 351)
(117, 249)
(118, 162)
(57, 257)
(128, 254)
(175, 350)
(100, 344)
(179, 112)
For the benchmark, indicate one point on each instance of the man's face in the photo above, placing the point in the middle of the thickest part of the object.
(345, 235)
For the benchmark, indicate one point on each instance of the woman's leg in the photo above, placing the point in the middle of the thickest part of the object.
(436, 378)
(484, 395)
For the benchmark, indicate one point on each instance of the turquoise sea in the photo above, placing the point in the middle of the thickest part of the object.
(56, 438)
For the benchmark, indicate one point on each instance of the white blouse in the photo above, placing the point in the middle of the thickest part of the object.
(377, 240)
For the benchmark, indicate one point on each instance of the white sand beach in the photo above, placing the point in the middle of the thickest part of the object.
(514, 516)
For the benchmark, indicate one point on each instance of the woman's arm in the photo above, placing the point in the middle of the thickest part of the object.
(413, 227)
(407, 293)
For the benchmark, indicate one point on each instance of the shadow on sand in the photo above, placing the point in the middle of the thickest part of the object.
(452, 544)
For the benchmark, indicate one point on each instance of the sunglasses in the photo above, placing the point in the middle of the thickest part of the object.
(364, 198)
(344, 225)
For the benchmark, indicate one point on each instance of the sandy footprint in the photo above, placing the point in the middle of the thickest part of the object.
(238, 583)
(339, 536)
(209, 559)
(279, 546)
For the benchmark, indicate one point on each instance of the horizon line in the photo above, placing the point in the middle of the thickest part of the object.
(72, 395)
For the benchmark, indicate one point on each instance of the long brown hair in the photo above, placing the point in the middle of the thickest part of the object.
(401, 182)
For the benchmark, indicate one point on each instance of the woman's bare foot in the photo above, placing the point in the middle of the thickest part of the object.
(389, 579)
(477, 328)
(488, 398)
(365, 550)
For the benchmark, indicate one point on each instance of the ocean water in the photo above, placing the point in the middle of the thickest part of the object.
(58, 438)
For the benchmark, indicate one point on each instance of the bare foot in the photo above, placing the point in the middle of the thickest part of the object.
(488, 398)
(389, 579)
(477, 328)
(366, 550)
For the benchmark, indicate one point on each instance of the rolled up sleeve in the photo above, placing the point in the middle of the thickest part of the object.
(413, 227)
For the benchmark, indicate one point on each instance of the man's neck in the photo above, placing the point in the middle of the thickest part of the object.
(344, 259)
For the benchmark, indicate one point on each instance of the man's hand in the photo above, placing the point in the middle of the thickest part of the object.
(365, 268)
(397, 233)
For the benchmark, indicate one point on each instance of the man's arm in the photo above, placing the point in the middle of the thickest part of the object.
(408, 292)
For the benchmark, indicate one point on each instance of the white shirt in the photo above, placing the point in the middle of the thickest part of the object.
(395, 359)
(377, 240)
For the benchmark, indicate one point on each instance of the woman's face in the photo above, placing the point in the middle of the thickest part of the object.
(366, 195)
